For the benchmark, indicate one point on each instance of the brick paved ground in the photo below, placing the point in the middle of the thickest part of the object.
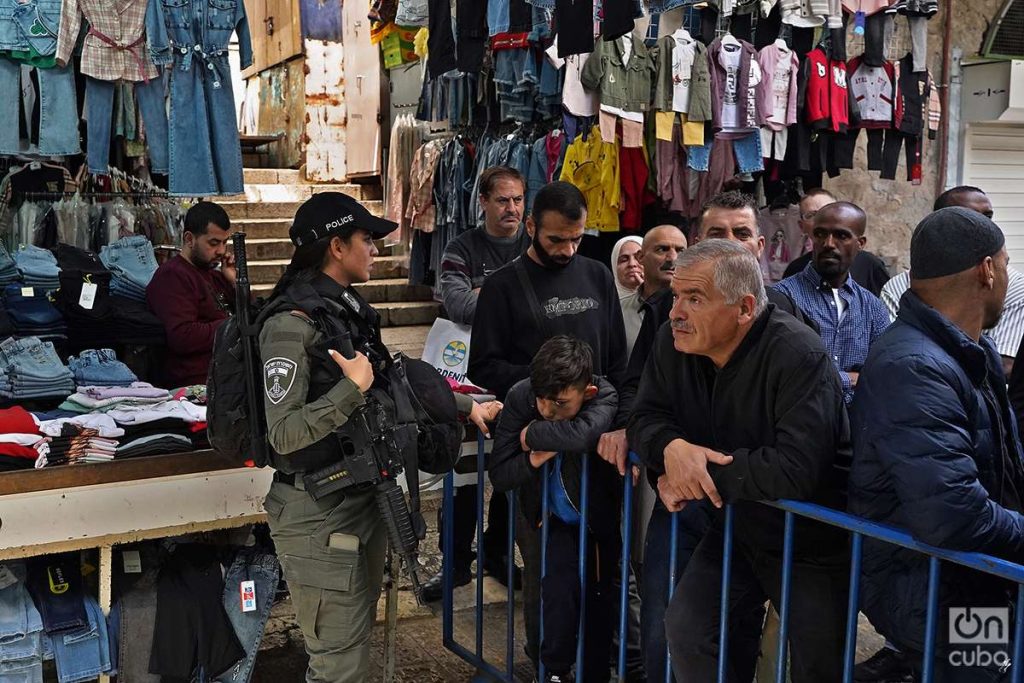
(421, 656)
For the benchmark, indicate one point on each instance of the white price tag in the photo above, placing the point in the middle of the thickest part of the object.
(132, 562)
(27, 292)
(247, 589)
(7, 577)
(88, 297)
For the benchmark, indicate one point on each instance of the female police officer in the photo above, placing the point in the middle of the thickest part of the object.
(331, 550)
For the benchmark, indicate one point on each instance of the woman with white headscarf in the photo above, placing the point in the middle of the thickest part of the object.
(629, 277)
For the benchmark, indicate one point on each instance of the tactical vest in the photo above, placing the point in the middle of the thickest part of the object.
(331, 319)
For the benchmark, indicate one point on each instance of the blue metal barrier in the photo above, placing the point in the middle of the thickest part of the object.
(859, 529)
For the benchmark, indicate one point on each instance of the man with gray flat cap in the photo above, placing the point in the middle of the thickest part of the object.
(936, 448)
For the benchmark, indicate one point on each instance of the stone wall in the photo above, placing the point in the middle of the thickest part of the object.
(895, 206)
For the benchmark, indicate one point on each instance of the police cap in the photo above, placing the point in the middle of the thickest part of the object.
(335, 213)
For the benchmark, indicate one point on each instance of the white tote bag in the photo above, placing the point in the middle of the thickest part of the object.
(447, 349)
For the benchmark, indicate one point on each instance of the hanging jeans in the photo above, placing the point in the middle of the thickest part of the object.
(265, 572)
(58, 113)
(99, 102)
(205, 154)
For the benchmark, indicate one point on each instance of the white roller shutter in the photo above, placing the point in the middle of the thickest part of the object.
(994, 162)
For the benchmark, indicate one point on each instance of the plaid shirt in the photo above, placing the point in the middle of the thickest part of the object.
(420, 211)
(849, 339)
(121, 22)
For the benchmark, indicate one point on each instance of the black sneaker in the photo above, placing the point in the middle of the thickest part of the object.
(885, 666)
(433, 589)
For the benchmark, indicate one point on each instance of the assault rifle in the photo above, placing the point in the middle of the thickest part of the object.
(370, 455)
(249, 337)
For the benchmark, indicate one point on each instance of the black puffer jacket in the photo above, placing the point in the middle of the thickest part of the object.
(936, 453)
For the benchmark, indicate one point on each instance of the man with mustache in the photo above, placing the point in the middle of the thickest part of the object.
(739, 403)
(472, 256)
(548, 291)
(468, 261)
(849, 317)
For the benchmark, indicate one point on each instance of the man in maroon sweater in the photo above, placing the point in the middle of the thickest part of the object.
(192, 297)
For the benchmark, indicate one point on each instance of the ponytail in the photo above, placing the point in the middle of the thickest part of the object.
(306, 262)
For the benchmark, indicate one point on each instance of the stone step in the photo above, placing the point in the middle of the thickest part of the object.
(288, 176)
(403, 313)
(265, 192)
(407, 339)
(280, 247)
(377, 291)
(239, 210)
(270, 271)
(262, 228)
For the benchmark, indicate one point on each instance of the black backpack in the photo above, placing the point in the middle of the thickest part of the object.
(228, 422)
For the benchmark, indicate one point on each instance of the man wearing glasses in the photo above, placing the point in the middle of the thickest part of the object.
(849, 317)
(868, 270)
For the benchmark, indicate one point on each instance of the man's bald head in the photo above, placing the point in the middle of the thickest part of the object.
(846, 212)
(661, 246)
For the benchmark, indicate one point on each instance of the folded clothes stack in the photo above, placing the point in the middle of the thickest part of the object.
(152, 437)
(20, 440)
(30, 313)
(100, 368)
(38, 268)
(8, 269)
(132, 262)
(31, 369)
(77, 445)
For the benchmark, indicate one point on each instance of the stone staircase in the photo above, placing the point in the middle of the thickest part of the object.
(265, 212)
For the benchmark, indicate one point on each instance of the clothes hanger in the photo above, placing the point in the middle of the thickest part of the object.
(682, 34)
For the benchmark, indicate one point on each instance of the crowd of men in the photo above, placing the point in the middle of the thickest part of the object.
(896, 399)
(894, 408)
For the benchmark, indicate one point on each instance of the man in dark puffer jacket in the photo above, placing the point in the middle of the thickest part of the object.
(936, 449)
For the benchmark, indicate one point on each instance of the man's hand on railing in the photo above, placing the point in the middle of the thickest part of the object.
(671, 498)
(686, 466)
(613, 449)
(482, 413)
(538, 458)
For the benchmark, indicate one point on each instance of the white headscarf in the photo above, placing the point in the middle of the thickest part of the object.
(623, 291)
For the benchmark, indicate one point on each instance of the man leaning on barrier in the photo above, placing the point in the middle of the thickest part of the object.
(741, 403)
(936, 450)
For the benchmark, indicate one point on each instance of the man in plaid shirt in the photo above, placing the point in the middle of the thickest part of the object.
(849, 317)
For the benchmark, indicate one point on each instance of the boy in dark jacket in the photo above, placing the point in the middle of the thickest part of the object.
(557, 416)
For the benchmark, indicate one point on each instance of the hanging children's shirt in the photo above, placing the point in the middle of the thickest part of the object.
(621, 72)
(873, 89)
(592, 165)
(575, 98)
(684, 50)
(735, 75)
(827, 104)
(778, 90)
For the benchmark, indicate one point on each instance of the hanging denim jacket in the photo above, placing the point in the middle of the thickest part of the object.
(30, 26)
(196, 29)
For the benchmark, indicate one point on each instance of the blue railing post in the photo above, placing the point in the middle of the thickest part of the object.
(480, 462)
(447, 561)
(673, 565)
(544, 493)
(852, 610)
(584, 519)
(932, 623)
(1016, 664)
(787, 581)
(627, 542)
(723, 628)
(510, 606)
